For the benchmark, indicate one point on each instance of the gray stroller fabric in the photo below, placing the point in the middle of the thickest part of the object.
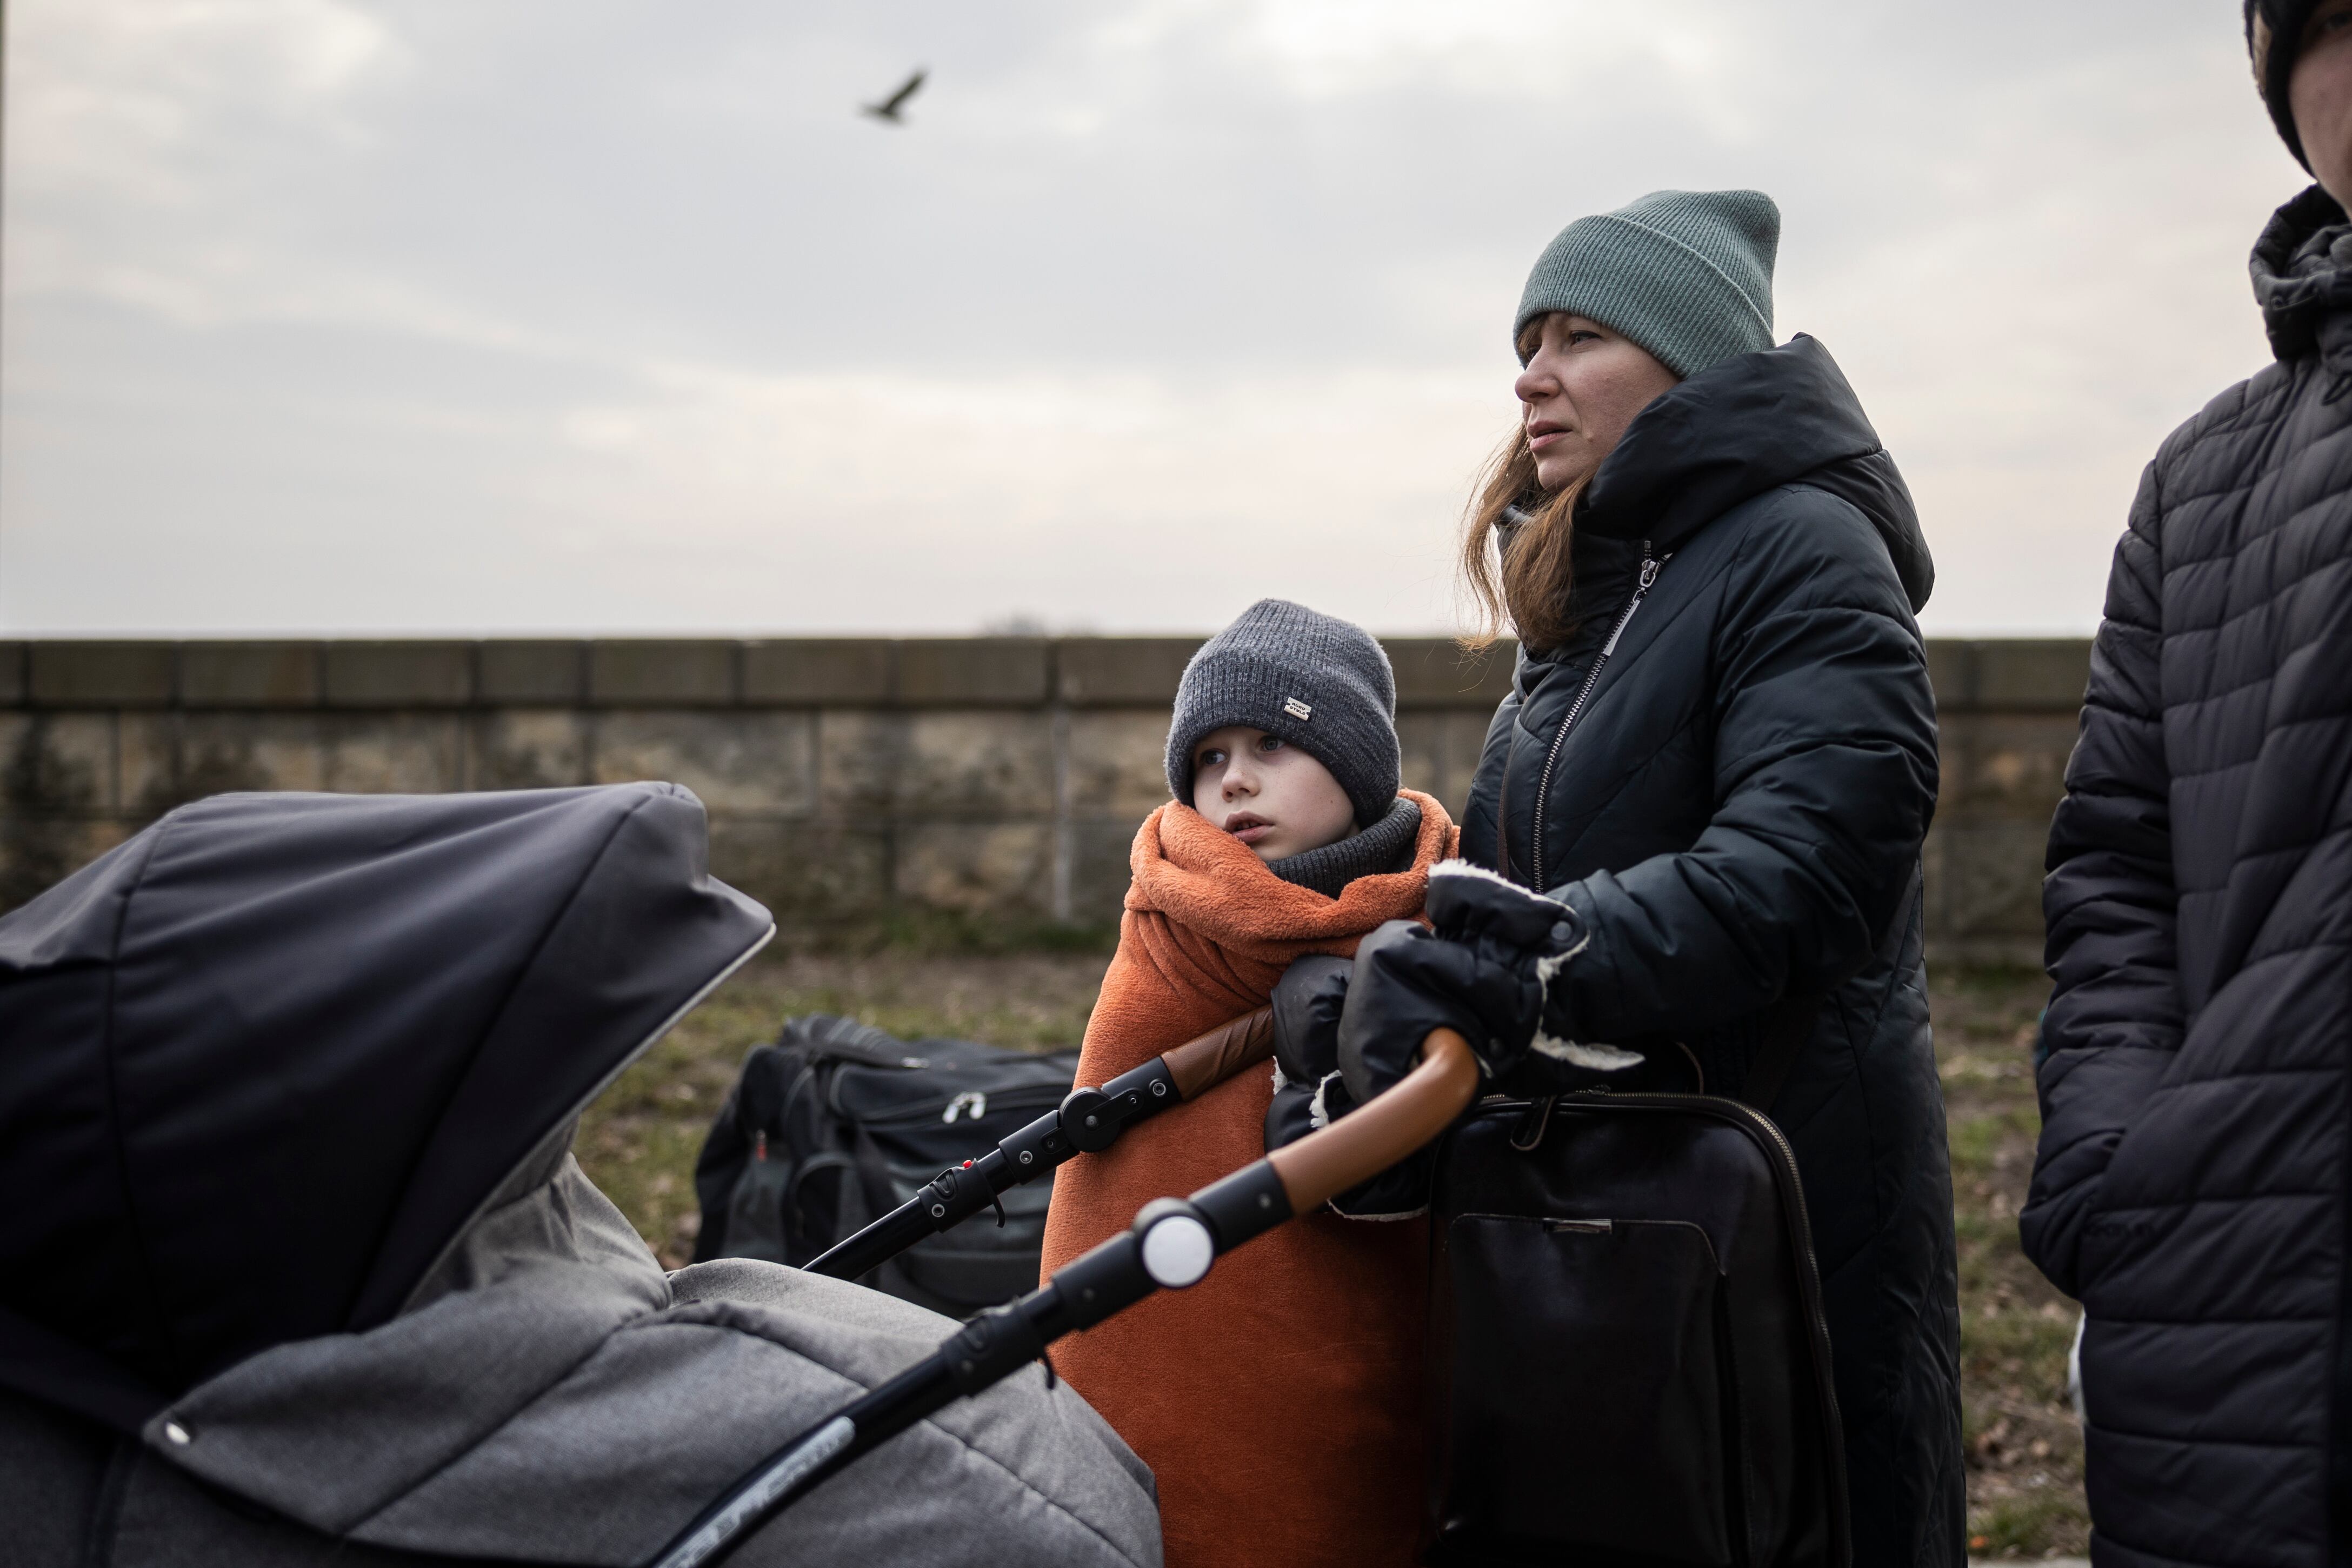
(555, 1397)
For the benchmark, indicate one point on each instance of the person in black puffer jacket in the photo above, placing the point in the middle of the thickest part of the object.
(1720, 751)
(2191, 1182)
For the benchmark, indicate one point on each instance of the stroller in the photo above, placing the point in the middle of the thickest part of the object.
(299, 1264)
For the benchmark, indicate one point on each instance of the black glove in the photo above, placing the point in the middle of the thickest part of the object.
(1484, 971)
(1307, 1002)
(1308, 1094)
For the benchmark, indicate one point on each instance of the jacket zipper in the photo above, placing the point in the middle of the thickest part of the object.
(1809, 1282)
(1650, 565)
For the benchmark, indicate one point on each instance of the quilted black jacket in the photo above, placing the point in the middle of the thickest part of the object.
(1736, 809)
(2190, 1184)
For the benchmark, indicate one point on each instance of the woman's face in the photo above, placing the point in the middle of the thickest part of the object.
(1582, 387)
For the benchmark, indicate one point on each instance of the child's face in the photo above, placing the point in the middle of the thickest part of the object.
(1272, 797)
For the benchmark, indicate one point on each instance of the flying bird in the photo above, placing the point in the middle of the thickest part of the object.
(888, 108)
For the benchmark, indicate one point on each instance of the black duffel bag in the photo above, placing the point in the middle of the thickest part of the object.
(1629, 1366)
(838, 1123)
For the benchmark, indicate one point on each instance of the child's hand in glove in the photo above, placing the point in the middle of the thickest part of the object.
(1485, 971)
(1308, 1094)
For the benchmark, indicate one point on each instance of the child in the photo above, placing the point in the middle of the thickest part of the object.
(1277, 1402)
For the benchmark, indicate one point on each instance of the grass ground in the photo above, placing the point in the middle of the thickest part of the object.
(2024, 1449)
(2024, 1455)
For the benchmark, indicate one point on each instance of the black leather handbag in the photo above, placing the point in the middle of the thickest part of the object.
(1628, 1360)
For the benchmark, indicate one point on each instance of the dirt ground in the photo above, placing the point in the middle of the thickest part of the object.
(2025, 1463)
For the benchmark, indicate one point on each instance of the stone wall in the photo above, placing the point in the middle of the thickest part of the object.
(847, 778)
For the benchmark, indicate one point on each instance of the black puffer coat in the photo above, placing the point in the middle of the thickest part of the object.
(2192, 1183)
(1736, 810)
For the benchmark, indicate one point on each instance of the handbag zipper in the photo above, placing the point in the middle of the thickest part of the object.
(1650, 565)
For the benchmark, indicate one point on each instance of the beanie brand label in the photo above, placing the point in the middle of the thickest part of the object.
(1297, 709)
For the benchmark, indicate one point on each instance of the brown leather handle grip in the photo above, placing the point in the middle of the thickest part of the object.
(1384, 1130)
(1203, 1063)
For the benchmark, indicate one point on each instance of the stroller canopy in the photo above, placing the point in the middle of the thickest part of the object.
(262, 1065)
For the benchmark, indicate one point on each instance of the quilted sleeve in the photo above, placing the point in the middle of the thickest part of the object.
(2115, 1017)
(1826, 775)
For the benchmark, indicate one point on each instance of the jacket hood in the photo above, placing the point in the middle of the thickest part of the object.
(1748, 425)
(265, 1061)
(2302, 271)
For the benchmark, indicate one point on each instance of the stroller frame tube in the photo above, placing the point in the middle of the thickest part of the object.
(1087, 1122)
(1162, 1251)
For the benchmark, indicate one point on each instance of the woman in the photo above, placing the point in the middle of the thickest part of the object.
(1720, 749)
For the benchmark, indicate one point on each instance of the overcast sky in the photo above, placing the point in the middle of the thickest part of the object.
(327, 317)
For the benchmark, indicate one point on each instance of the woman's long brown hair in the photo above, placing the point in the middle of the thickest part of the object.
(1514, 550)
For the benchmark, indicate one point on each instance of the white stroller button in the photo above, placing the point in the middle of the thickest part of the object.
(1177, 1251)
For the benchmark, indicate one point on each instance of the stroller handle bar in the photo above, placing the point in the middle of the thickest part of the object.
(1203, 1063)
(1385, 1129)
(1170, 1246)
(1087, 1122)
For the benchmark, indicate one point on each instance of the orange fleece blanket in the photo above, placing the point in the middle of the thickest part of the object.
(1278, 1401)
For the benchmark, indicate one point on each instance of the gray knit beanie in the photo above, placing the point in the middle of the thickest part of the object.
(1687, 275)
(1320, 682)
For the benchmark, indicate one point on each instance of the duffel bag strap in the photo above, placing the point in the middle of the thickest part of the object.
(825, 1037)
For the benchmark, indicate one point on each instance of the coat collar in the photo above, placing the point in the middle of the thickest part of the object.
(1740, 428)
(2302, 271)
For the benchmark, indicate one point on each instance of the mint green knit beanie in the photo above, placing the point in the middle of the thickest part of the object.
(1687, 275)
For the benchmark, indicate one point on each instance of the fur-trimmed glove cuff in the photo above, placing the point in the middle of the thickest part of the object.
(1485, 970)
